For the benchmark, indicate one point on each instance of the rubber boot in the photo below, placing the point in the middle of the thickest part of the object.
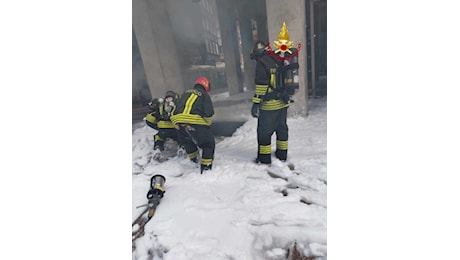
(205, 168)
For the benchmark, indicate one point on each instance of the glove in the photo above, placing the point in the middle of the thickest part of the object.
(164, 118)
(255, 110)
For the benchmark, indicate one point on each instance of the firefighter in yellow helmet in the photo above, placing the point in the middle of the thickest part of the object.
(193, 118)
(276, 81)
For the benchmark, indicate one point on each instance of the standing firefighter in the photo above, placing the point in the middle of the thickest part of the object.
(276, 80)
(160, 119)
(193, 118)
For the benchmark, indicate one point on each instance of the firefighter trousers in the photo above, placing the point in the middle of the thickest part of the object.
(162, 135)
(198, 136)
(269, 122)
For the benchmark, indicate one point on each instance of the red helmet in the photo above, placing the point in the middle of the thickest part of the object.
(205, 83)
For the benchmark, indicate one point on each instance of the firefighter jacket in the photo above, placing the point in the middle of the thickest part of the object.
(194, 107)
(151, 120)
(268, 93)
(159, 118)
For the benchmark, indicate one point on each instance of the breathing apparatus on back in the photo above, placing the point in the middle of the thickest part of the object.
(287, 74)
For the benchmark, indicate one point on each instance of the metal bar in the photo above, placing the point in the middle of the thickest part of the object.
(312, 44)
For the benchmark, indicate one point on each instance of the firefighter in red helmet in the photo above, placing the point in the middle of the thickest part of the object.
(193, 117)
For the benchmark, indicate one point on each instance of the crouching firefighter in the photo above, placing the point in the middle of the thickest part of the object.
(193, 117)
(276, 80)
(160, 119)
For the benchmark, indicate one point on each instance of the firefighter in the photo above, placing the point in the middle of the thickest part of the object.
(159, 119)
(276, 81)
(193, 117)
(152, 117)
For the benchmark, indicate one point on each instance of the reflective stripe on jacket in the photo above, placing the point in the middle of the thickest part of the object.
(194, 107)
(266, 93)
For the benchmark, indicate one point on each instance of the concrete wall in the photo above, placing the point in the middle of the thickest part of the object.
(159, 54)
(292, 12)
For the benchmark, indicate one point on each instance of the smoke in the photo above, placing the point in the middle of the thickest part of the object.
(196, 31)
(195, 26)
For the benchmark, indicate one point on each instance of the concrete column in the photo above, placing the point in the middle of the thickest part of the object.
(248, 44)
(228, 33)
(293, 13)
(157, 46)
(262, 32)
